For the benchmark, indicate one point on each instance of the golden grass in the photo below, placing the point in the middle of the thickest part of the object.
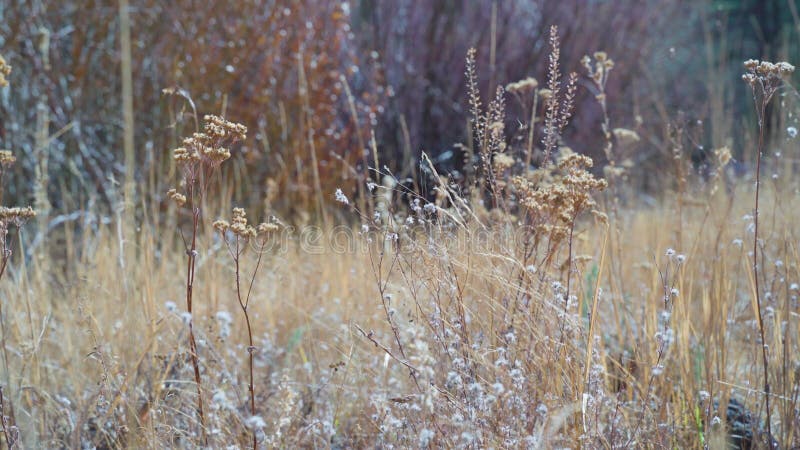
(96, 354)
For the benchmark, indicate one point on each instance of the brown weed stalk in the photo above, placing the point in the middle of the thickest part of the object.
(199, 157)
(237, 235)
(764, 78)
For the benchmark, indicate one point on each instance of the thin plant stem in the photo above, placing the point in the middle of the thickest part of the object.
(9, 442)
(764, 358)
(243, 303)
(11, 415)
(190, 268)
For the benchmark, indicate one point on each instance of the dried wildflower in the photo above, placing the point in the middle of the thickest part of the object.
(176, 196)
(723, 155)
(181, 155)
(545, 94)
(209, 147)
(221, 225)
(599, 71)
(219, 127)
(502, 162)
(264, 228)
(255, 423)
(5, 71)
(768, 76)
(567, 192)
(522, 86)
(784, 68)
(340, 197)
(239, 225)
(240, 228)
(16, 215)
(600, 56)
(625, 136)
(612, 172)
(7, 158)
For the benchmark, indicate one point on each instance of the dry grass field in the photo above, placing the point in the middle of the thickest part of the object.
(536, 297)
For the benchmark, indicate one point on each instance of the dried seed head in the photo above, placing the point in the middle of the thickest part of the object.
(218, 127)
(5, 71)
(217, 155)
(751, 64)
(221, 225)
(723, 155)
(239, 226)
(264, 228)
(784, 68)
(600, 56)
(523, 86)
(16, 214)
(769, 75)
(340, 197)
(176, 196)
(625, 136)
(502, 161)
(587, 62)
(239, 222)
(546, 94)
(209, 147)
(182, 155)
(6, 158)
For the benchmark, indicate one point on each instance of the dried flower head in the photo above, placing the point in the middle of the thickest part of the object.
(176, 196)
(598, 71)
(340, 197)
(16, 214)
(221, 225)
(210, 147)
(600, 56)
(239, 226)
(502, 162)
(264, 228)
(523, 86)
(625, 136)
(567, 191)
(220, 128)
(5, 71)
(766, 75)
(6, 158)
(723, 155)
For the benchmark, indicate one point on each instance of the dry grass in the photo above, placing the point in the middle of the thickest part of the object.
(100, 355)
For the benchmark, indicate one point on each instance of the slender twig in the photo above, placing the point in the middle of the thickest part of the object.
(190, 267)
(3, 266)
(371, 337)
(242, 233)
(765, 79)
(764, 358)
(3, 421)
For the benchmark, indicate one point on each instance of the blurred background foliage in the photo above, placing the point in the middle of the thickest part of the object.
(315, 80)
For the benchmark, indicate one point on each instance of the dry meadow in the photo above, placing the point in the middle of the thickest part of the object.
(207, 263)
